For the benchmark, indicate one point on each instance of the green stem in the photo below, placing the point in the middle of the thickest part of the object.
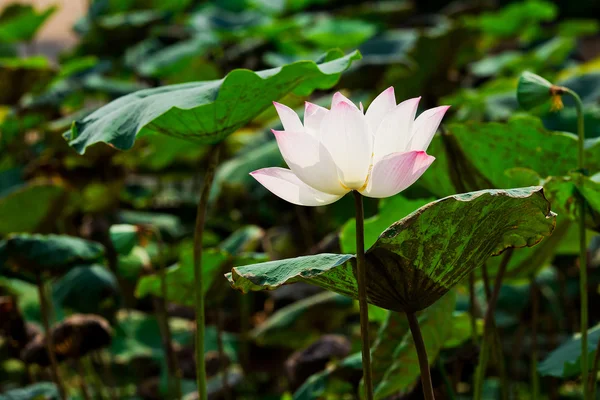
(161, 309)
(583, 289)
(362, 295)
(535, 309)
(488, 323)
(198, 279)
(45, 311)
(426, 383)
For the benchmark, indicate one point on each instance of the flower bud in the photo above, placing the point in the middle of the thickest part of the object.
(533, 91)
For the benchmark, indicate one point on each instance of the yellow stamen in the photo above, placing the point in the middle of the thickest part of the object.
(556, 103)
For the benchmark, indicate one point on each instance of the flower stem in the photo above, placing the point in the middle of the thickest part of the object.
(45, 310)
(362, 295)
(163, 319)
(198, 279)
(413, 323)
(583, 289)
(488, 322)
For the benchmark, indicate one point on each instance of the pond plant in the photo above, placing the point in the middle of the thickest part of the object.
(432, 234)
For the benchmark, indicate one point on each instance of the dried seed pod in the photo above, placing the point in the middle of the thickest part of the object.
(80, 334)
(75, 337)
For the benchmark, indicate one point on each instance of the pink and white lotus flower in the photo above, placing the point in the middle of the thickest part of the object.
(378, 153)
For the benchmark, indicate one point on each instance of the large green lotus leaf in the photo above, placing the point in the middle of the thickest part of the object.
(395, 361)
(19, 22)
(36, 391)
(42, 255)
(419, 258)
(89, 290)
(301, 323)
(435, 247)
(390, 210)
(203, 112)
(43, 202)
(564, 361)
(545, 152)
(21, 75)
(487, 154)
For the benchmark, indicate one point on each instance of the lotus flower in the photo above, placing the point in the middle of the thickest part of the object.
(378, 153)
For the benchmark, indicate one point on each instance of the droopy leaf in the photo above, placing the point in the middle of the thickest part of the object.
(42, 202)
(33, 255)
(564, 362)
(203, 112)
(330, 271)
(421, 257)
(398, 370)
